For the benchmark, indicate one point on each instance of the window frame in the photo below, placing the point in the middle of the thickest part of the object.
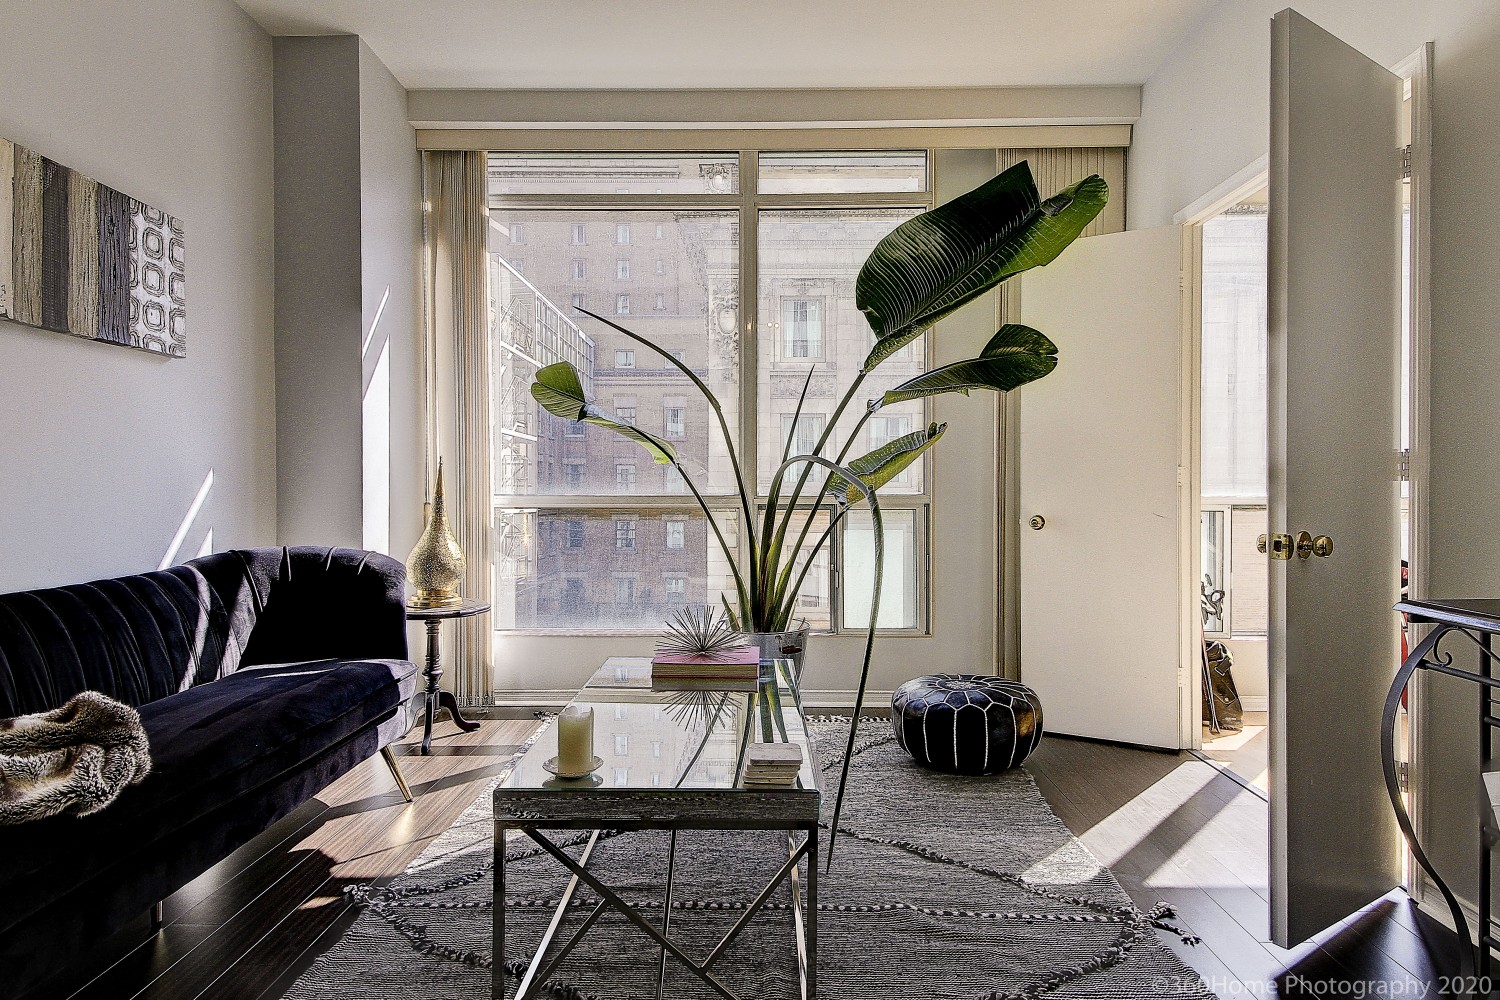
(748, 203)
(1225, 507)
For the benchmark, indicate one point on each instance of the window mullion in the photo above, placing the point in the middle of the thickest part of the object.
(749, 325)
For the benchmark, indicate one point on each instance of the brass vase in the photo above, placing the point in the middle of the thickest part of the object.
(436, 565)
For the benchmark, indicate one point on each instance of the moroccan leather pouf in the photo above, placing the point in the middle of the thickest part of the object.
(966, 723)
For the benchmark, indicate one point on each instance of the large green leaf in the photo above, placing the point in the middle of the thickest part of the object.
(932, 264)
(887, 462)
(1015, 355)
(560, 391)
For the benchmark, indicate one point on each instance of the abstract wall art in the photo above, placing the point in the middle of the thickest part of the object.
(79, 257)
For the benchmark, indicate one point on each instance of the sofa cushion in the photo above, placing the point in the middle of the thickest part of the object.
(209, 745)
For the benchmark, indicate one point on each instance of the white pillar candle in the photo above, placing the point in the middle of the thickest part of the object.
(575, 740)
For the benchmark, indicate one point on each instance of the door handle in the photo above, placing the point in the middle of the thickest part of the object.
(1037, 522)
(1277, 546)
(1309, 546)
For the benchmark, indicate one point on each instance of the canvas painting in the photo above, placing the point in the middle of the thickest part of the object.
(79, 257)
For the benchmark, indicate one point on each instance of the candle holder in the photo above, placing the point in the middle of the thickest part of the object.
(551, 766)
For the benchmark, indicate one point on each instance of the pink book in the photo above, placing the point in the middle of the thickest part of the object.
(733, 656)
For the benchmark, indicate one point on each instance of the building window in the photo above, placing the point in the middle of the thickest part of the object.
(625, 477)
(576, 429)
(622, 233)
(624, 359)
(625, 407)
(517, 233)
(622, 305)
(661, 266)
(575, 533)
(580, 234)
(580, 270)
(661, 302)
(809, 428)
(676, 421)
(622, 270)
(573, 599)
(622, 745)
(659, 229)
(676, 529)
(622, 776)
(624, 591)
(579, 301)
(676, 588)
(625, 533)
(801, 328)
(573, 474)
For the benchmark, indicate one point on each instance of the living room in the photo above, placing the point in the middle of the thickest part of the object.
(386, 236)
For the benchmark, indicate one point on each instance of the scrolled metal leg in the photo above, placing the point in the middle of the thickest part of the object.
(390, 762)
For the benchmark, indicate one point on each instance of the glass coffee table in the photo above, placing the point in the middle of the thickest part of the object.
(673, 760)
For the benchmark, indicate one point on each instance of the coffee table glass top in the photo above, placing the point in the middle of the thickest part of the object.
(682, 736)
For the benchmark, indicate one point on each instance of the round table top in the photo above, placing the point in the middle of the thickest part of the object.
(463, 609)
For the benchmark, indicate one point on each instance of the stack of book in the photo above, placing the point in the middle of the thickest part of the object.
(736, 663)
(772, 765)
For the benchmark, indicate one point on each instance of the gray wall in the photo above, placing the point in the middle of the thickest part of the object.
(391, 240)
(348, 231)
(1205, 115)
(102, 449)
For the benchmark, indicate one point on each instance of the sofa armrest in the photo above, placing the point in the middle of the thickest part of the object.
(317, 603)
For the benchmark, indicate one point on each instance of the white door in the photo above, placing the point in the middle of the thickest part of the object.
(1334, 273)
(1101, 509)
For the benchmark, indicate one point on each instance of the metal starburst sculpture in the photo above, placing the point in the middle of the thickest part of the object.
(699, 630)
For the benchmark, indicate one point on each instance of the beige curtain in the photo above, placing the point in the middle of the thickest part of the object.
(457, 373)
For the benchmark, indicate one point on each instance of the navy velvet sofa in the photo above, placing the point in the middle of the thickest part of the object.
(260, 676)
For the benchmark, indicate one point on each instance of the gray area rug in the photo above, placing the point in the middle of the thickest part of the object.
(942, 887)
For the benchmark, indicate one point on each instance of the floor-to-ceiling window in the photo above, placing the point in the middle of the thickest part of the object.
(590, 533)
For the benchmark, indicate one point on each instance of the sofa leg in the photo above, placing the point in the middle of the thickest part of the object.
(158, 917)
(390, 761)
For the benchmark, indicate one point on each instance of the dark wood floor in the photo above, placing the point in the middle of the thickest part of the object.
(1176, 829)
(1172, 828)
(251, 924)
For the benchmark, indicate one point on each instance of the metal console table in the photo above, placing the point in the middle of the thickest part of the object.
(707, 731)
(1478, 621)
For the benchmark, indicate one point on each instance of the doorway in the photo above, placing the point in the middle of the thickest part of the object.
(1233, 582)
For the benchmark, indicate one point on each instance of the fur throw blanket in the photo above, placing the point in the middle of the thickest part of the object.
(75, 759)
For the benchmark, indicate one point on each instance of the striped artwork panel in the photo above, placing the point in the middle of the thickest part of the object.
(7, 201)
(79, 257)
(27, 237)
(114, 266)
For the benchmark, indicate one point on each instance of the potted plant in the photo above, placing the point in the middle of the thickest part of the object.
(923, 270)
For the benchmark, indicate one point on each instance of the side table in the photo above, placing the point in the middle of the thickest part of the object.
(436, 699)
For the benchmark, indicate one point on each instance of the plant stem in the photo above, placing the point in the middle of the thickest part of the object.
(734, 457)
(781, 599)
(739, 581)
(771, 553)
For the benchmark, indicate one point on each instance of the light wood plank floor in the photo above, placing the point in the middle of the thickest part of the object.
(1172, 827)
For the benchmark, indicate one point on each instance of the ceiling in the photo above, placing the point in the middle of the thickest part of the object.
(699, 44)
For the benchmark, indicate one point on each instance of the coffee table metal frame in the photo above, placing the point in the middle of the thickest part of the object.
(533, 810)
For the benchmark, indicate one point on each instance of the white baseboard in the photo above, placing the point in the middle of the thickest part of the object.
(1255, 702)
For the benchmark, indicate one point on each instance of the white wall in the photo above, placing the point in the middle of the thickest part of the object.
(103, 450)
(1205, 115)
